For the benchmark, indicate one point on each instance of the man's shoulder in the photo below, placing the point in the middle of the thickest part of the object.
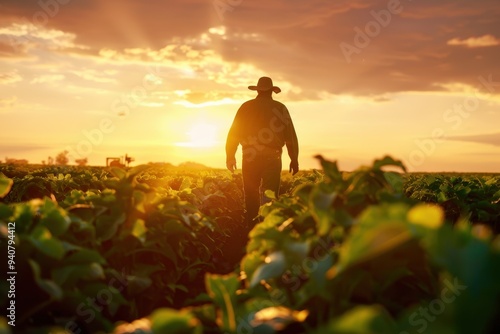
(258, 102)
(247, 103)
(279, 104)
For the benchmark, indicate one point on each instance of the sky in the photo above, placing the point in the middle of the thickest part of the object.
(161, 81)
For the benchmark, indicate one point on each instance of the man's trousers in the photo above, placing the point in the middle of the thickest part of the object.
(260, 173)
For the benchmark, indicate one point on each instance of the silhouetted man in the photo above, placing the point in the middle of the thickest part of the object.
(262, 126)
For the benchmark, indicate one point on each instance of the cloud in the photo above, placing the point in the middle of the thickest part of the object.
(192, 60)
(95, 76)
(409, 54)
(152, 104)
(490, 139)
(295, 42)
(354, 99)
(7, 103)
(22, 37)
(47, 78)
(10, 78)
(475, 42)
(7, 51)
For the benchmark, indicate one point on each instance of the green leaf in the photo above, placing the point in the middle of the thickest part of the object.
(5, 212)
(171, 321)
(441, 197)
(107, 226)
(69, 275)
(250, 263)
(222, 289)
(395, 180)
(24, 214)
(380, 230)
(361, 320)
(136, 284)
(342, 218)
(50, 287)
(43, 240)
(275, 318)
(274, 266)
(372, 244)
(331, 170)
(318, 275)
(54, 218)
(431, 216)
(320, 203)
(296, 251)
(266, 232)
(96, 288)
(139, 198)
(139, 230)
(179, 287)
(135, 171)
(186, 184)
(118, 172)
(270, 194)
(84, 256)
(388, 161)
(5, 185)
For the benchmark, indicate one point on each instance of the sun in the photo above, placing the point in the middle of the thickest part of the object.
(201, 134)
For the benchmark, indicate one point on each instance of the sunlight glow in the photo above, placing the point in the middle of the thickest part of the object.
(224, 101)
(201, 134)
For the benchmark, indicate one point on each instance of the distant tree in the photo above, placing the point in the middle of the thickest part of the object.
(81, 162)
(62, 158)
(192, 165)
(12, 161)
(50, 161)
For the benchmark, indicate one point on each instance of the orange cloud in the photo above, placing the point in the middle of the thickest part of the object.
(8, 102)
(489, 139)
(9, 78)
(47, 78)
(475, 42)
(297, 42)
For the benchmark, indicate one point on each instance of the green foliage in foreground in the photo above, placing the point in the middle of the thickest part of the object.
(340, 253)
(97, 257)
(477, 197)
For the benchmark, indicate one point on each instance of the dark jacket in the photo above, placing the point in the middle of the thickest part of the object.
(262, 126)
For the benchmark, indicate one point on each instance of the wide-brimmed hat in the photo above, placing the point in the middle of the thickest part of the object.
(265, 84)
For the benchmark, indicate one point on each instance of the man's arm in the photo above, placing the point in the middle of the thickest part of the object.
(292, 144)
(233, 141)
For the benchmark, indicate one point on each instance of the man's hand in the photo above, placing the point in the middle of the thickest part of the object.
(294, 167)
(231, 164)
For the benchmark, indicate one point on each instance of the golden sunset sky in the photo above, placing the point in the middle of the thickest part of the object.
(162, 80)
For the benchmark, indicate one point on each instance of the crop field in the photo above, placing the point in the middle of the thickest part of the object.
(160, 249)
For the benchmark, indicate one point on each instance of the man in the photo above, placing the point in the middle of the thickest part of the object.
(262, 126)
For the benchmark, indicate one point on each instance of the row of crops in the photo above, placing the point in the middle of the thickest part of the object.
(161, 250)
